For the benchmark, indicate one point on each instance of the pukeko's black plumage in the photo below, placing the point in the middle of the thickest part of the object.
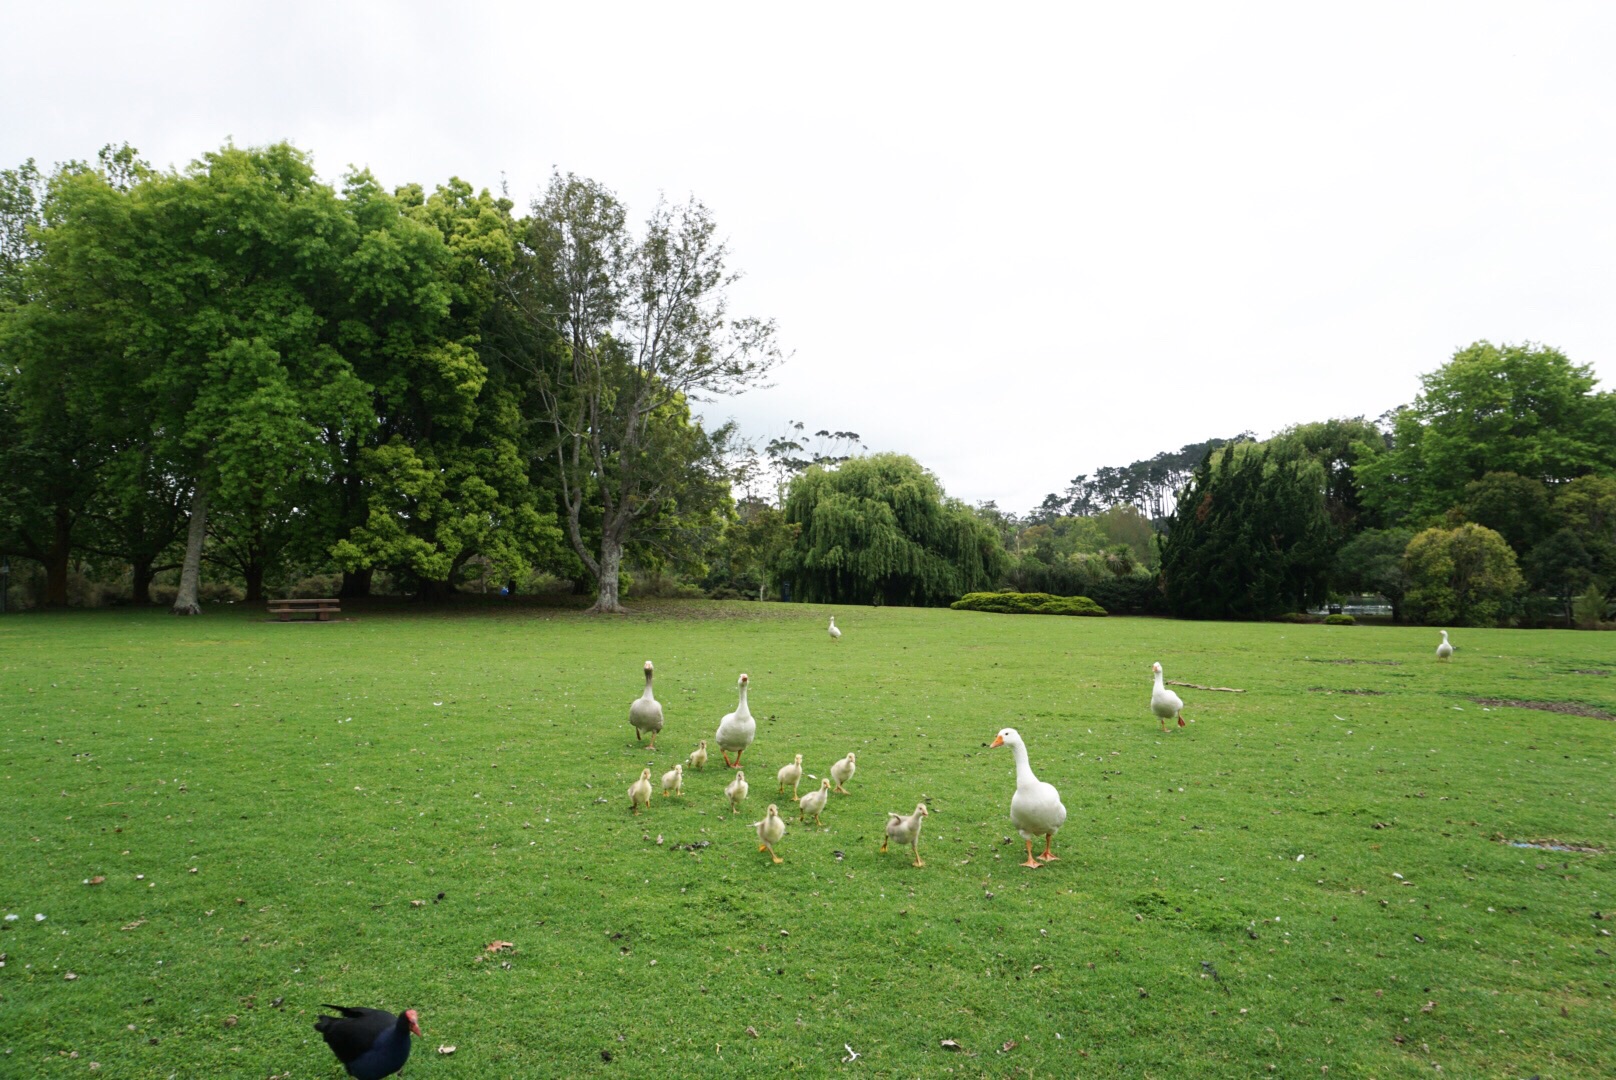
(370, 1043)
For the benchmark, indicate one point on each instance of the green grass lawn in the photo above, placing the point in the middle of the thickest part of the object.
(269, 804)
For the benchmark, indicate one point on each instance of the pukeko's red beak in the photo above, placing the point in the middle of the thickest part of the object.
(413, 1017)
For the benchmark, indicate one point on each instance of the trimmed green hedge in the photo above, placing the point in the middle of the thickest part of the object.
(1339, 620)
(1027, 603)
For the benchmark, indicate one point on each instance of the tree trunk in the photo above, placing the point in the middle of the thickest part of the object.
(254, 573)
(140, 579)
(56, 559)
(185, 603)
(355, 583)
(611, 562)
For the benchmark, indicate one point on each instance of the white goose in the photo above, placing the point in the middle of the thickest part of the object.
(646, 712)
(835, 634)
(737, 730)
(1163, 702)
(1444, 651)
(1036, 808)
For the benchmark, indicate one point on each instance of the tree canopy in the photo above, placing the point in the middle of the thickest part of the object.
(1522, 409)
(879, 529)
(1250, 537)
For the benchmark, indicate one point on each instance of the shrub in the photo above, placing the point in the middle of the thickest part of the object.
(1339, 620)
(314, 587)
(1465, 576)
(1014, 603)
(1130, 594)
(1589, 608)
(1300, 617)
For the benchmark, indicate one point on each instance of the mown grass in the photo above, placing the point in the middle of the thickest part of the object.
(319, 778)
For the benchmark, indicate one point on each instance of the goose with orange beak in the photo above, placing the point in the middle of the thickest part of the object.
(1163, 702)
(736, 730)
(1036, 808)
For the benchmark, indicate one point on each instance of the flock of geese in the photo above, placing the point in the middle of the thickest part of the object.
(1036, 809)
(373, 1044)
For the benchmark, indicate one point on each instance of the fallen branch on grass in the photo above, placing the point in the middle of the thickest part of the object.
(1198, 686)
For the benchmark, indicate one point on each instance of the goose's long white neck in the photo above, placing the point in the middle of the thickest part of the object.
(1159, 685)
(647, 695)
(1024, 776)
(741, 709)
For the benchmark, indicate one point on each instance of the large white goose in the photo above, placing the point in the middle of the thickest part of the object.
(834, 633)
(737, 730)
(1163, 702)
(1036, 808)
(1444, 651)
(646, 712)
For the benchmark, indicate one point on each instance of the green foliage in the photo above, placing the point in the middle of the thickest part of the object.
(744, 558)
(1339, 620)
(1587, 505)
(880, 528)
(1337, 445)
(1515, 507)
(1520, 409)
(1461, 577)
(1149, 485)
(1014, 603)
(1591, 608)
(1372, 562)
(1129, 594)
(617, 333)
(1249, 539)
(1559, 566)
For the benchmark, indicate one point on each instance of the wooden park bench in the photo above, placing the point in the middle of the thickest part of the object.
(322, 610)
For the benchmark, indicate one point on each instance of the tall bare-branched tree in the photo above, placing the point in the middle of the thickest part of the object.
(625, 333)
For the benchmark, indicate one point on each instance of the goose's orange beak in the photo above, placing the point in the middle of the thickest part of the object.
(998, 740)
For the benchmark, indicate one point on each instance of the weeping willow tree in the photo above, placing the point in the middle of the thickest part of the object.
(880, 529)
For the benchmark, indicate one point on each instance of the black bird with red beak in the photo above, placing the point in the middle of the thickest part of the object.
(370, 1043)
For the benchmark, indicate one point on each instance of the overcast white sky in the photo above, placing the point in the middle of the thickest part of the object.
(1016, 241)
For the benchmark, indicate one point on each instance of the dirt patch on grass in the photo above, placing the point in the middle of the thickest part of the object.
(1358, 693)
(1588, 671)
(1550, 844)
(1568, 708)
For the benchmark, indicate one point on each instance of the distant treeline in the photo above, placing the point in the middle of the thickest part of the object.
(237, 379)
(1491, 498)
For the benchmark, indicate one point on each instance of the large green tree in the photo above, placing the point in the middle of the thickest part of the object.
(620, 333)
(1523, 409)
(1250, 537)
(1464, 577)
(1515, 507)
(1587, 505)
(1337, 445)
(207, 295)
(1561, 567)
(1372, 562)
(442, 476)
(59, 415)
(879, 528)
